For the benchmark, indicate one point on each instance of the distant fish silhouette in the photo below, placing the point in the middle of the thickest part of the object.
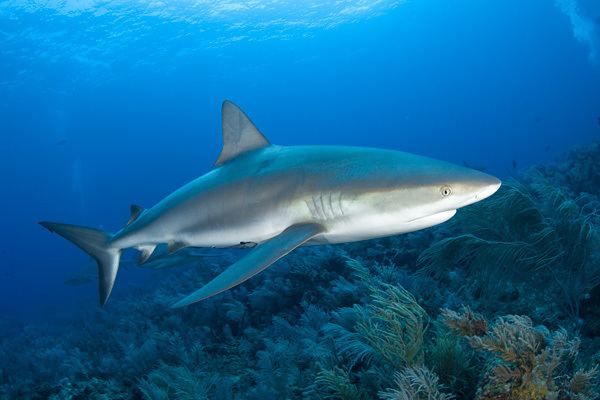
(87, 274)
(547, 148)
(598, 121)
(7, 273)
(62, 142)
(80, 280)
(162, 260)
(514, 164)
(481, 168)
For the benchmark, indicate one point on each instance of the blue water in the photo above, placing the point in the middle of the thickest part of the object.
(104, 104)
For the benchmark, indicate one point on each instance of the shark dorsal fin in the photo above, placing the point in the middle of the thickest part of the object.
(239, 133)
(136, 211)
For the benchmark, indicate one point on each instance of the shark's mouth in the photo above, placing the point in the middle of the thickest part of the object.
(433, 219)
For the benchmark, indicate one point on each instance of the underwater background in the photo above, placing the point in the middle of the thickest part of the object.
(105, 104)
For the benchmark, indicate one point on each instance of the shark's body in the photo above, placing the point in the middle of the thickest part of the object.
(277, 198)
(259, 195)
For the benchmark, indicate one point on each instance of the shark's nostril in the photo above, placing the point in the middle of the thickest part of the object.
(488, 190)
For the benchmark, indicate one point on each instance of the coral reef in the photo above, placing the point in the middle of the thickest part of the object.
(525, 362)
(501, 303)
(415, 384)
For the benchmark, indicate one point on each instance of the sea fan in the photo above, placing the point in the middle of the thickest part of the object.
(336, 384)
(520, 236)
(415, 383)
(390, 329)
(527, 363)
(175, 382)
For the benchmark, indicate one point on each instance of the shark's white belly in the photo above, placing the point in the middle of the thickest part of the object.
(378, 226)
(348, 221)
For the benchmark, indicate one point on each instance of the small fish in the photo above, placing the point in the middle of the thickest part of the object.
(7, 273)
(79, 280)
(85, 275)
(514, 164)
(187, 256)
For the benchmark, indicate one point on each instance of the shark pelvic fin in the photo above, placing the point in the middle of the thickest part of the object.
(239, 133)
(260, 258)
(97, 244)
(146, 251)
(136, 211)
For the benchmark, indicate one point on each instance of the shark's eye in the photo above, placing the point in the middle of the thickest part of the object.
(446, 190)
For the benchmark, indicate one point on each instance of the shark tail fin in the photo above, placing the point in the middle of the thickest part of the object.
(96, 243)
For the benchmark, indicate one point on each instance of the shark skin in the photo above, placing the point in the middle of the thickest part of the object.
(277, 198)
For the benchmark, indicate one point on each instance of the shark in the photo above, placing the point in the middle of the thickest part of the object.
(274, 199)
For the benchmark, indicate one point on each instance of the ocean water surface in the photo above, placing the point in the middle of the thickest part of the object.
(107, 104)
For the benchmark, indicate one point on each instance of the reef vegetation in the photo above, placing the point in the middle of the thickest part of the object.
(501, 303)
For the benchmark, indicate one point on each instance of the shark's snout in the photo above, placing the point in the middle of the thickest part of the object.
(481, 188)
(489, 188)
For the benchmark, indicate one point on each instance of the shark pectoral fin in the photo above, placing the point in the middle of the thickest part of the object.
(260, 258)
(239, 133)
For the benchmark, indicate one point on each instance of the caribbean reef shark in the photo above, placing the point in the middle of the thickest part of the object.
(277, 198)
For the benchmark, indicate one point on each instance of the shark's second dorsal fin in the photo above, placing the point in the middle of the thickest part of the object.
(136, 211)
(239, 133)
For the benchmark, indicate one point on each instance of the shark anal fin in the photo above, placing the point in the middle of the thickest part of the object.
(136, 211)
(173, 247)
(259, 258)
(239, 133)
